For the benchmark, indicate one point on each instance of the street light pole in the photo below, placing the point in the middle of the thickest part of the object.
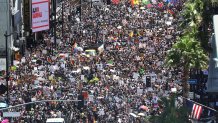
(80, 14)
(7, 64)
(54, 10)
(62, 12)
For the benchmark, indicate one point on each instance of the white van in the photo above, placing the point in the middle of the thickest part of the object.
(55, 120)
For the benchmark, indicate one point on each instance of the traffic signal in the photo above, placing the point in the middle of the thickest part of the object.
(3, 89)
(78, 10)
(80, 103)
(148, 81)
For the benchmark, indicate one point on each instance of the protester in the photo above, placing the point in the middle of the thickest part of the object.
(114, 83)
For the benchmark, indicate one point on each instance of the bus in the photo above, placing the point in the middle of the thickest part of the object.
(55, 120)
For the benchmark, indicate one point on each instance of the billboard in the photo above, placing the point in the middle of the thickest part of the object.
(40, 15)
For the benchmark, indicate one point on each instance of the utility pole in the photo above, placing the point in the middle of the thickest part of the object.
(62, 12)
(80, 14)
(7, 64)
(54, 10)
(34, 102)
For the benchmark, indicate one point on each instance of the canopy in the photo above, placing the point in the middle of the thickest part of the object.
(141, 114)
(134, 115)
(79, 49)
(143, 107)
(3, 105)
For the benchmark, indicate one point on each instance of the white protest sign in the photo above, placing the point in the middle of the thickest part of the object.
(82, 77)
(139, 91)
(173, 90)
(91, 98)
(44, 51)
(135, 76)
(99, 66)
(11, 114)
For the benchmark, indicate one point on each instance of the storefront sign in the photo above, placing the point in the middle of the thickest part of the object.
(192, 81)
(40, 15)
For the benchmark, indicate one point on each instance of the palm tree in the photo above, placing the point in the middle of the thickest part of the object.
(197, 14)
(192, 13)
(171, 113)
(186, 53)
(214, 2)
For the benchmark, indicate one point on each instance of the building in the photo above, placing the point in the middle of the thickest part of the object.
(212, 83)
(10, 21)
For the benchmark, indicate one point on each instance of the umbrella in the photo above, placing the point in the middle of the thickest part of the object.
(142, 8)
(79, 49)
(70, 94)
(150, 89)
(143, 107)
(40, 79)
(141, 114)
(168, 36)
(100, 97)
(134, 115)
(119, 27)
(5, 121)
(117, 43)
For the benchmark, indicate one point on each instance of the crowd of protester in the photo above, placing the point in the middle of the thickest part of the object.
(121, 83)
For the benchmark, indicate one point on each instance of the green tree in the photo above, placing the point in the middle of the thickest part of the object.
(171, 113)
(192, 13)
(214, 2)
(186, 53)
(199, 14)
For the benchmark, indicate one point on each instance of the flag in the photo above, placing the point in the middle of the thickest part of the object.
(196, 111)
(101, 48)
(134, 2)
(146, 2)
(170, 12)
(115, 1)
(149, 6)
(160, 5)
(131, 34)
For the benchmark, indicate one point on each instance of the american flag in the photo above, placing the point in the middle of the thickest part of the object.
(196, 111)
(115, 1)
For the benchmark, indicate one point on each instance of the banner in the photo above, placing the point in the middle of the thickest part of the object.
(40, 15)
